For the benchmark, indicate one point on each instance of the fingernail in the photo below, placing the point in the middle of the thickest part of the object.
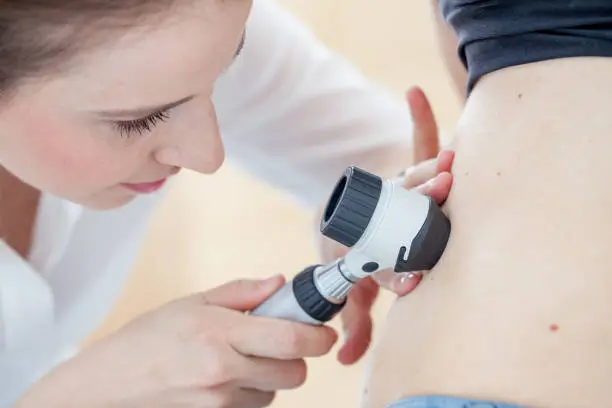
(270, 279)
(406, 276)
(430, 183)
(401, 280)
(426, 187)
(346, 335)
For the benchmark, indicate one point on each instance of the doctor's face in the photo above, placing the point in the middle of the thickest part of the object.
(128, 112)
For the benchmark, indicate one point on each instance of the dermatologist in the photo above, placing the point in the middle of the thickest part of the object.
(101, 103)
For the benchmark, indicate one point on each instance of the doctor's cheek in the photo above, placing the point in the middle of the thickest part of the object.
(76, 156)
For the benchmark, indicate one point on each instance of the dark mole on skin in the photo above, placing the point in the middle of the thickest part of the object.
(553, 327)
(520, 95)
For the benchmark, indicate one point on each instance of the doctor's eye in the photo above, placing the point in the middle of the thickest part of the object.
(130, 128)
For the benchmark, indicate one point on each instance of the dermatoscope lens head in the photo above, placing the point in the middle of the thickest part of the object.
(351, 206)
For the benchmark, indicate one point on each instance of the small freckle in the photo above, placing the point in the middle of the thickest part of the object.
(520, 96)
(553, 327)
(499, 173)
(467, 173)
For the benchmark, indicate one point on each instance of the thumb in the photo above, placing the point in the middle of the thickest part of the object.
(425, 137)
(399, 283)
(243, 295)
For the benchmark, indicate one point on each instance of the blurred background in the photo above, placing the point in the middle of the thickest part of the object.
(201, 235)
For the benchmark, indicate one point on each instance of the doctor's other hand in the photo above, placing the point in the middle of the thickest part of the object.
(430, 175)
(202, 351)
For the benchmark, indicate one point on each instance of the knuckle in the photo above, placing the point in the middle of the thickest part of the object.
(328, 340)
(298, 373)
(221, 400)
(211, 296)
(268, 399)
(216, 372)
(244, 285)
(292, 341)
(238, 284)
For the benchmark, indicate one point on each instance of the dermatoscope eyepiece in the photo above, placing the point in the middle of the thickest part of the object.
(351, 206)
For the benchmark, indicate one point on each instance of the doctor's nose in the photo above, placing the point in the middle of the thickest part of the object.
(198, 148)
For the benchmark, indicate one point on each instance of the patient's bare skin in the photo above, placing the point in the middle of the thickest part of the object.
(519, 308)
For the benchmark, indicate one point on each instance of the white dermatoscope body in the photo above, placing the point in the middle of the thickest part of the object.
(386, 227)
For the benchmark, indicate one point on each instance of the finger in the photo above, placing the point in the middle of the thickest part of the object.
(424, 171)
(445, 161)
(426, 144)
(240, 398)
(246, 398)
(357, 322)
(280, 339)
(359, 335)
(437, 188)
(399, 283)
(267, 374)
(420, 173)
(364, 293)
(242, 295)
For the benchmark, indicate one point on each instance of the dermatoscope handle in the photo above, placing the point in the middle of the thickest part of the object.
(300, 300)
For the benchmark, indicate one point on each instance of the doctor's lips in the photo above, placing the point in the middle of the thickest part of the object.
(149, 187)
(145, 188)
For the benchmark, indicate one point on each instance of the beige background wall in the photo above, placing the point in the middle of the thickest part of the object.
(208, 234)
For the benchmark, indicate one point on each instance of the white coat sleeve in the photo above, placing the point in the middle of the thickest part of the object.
(295, 115)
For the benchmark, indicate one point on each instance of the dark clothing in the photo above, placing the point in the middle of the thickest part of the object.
(495, 34)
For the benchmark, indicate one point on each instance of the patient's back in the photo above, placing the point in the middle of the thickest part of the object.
(519, 309)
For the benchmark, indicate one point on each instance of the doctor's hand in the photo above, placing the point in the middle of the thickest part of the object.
(202, 351)
(430, 175)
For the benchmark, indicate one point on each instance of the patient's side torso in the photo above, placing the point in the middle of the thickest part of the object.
(518, 309)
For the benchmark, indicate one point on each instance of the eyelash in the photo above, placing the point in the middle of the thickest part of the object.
(128, 129)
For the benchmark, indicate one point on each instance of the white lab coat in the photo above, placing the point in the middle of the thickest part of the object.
(290, 112)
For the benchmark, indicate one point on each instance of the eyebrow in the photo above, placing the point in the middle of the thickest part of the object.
(143, 111)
